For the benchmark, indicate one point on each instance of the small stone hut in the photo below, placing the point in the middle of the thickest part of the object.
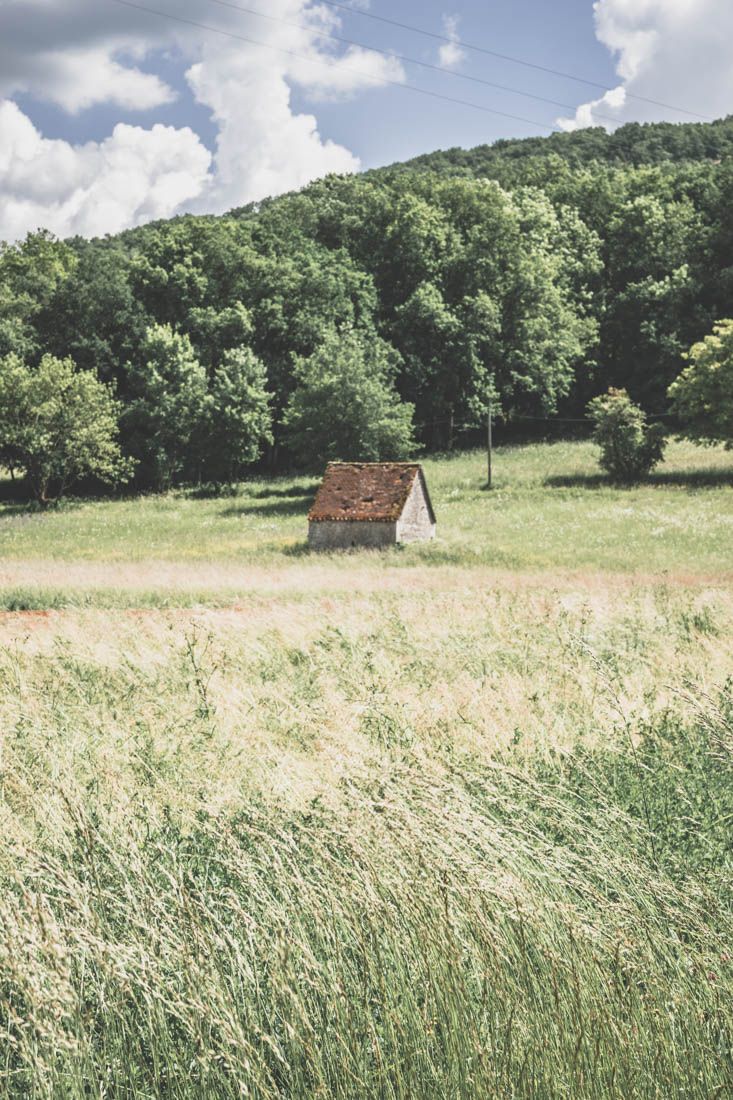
(370, 504)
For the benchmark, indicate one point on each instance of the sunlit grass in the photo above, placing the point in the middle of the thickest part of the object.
(424, 843)
(449, 821)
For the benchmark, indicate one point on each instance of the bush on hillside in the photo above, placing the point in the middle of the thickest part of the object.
(630, 448)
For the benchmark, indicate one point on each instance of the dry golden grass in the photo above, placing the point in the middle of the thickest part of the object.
(299, 675)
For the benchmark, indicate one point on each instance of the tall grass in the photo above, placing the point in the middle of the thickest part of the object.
(435, 843)
(416, 825)
(474, 934)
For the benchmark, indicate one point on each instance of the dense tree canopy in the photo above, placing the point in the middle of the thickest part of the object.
(31, 275)
(238, 418)
(168, 403)
(534, 274)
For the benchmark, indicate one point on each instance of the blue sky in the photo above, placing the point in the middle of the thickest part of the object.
(393, 125)
(111, 115)
(390, 123)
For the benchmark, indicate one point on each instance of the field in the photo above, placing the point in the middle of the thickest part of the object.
(452, 821)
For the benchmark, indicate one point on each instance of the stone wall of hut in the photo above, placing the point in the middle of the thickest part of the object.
(348, 534)
(415, 523)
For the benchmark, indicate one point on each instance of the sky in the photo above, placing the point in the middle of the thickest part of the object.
(116, 112)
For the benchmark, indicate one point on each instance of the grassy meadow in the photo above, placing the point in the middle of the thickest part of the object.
(550, 510)
(452, 821)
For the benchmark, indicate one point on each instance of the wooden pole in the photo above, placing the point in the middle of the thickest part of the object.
(490, 444)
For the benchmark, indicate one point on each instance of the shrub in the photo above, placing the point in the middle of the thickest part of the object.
(630, 448)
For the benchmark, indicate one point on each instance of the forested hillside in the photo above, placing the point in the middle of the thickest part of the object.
(633, 144)
(534, 274)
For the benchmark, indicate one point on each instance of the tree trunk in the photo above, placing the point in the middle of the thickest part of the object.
(40, 494)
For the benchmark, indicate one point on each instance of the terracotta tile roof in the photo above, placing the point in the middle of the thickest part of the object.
(371, 492)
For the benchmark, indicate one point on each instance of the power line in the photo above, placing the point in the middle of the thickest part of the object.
(334, 64)
(407, 60)
(462, 44)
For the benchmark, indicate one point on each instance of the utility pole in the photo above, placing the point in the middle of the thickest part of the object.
(490, 443)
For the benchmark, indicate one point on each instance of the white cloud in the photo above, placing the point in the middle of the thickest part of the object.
(263, 147)
(76, 55)
(81, 53)
(84, 78)
(451, 54)
(133, 176)
(610, 101)
(356, 70)
(676, 52)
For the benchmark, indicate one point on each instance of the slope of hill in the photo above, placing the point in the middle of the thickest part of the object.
(633, 144)
(534, 274)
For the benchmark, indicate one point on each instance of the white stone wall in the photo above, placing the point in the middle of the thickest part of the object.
(348, 534)
(415, 523)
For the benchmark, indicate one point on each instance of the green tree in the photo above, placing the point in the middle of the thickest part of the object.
(168, 273)
(169, 402)
(58, 425)
(94, 316)
(213, 331)
(295, 297)
(431, 341)
(630, 448)
(653, 306)
(345, 405)
(449, 355)
(30, 274)
(417, 247)
(238, 418)
(702, 396)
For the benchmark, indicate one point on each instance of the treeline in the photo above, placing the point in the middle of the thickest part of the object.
(365, 313)
(634, 144)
